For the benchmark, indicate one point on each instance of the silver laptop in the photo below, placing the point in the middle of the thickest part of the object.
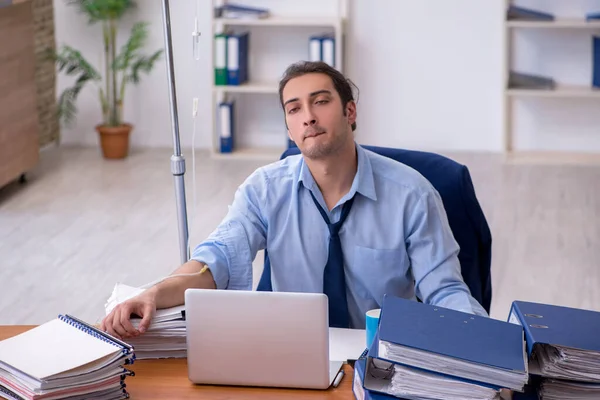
(250, 338)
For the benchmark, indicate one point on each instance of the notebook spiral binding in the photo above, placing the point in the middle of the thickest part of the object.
(90, 330)
(9, 393)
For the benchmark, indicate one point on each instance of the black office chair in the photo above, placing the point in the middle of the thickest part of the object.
(467, 221)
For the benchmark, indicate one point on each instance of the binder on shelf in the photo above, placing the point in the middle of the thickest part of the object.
(237, 58)
(322, 48)
(240, 12)
(64, 357)
(562, 342)
(314, 48)
(592, 16)
(519, 80)
(527, 14)
(220, 59)
(328, 49)
(452, 343)
(596, 61)
(226, 126)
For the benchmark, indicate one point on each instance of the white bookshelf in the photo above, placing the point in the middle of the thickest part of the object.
(284, 18)
(560, 92)
(578, 23)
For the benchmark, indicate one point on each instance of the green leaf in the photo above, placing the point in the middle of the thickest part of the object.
(103, 10)
(74, 63)
(66, 106)
(143, 64)
(137, 40)
(71, 61)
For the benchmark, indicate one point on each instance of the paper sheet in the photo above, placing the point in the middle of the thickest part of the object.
(346, 344)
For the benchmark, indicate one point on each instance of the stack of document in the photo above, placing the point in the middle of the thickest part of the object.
(563, 346)
(64, 358)
(166, 335)
(424, 351)
(553, 389)
(387, 380)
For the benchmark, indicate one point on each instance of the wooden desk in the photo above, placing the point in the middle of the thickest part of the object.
(167, 379)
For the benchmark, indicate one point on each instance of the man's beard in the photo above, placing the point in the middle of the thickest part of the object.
(324, 149)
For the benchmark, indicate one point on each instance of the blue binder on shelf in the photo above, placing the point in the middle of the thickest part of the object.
(452, 343)
(314, 48)
(546, 324)
(596, 61)
(237, 58)
(527, 14)
(328, 49)
(592, 16)
(226, 126)
(322, 48)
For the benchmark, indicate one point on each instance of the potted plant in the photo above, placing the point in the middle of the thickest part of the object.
(119, 70)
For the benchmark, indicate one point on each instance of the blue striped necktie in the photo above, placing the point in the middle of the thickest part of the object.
(334, 280)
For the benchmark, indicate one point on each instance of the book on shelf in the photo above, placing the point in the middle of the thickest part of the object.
(520, 80)
(235, 11)
(527, 14)
(64, 358)
(563, 348)
(166, 335)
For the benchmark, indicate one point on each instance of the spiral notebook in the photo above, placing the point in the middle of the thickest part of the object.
(64, 357)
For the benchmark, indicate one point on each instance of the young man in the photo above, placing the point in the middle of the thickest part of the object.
(388, 234)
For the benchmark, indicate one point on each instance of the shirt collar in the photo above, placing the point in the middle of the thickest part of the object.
(363, 182)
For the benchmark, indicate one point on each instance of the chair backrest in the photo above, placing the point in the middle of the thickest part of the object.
(465, 216)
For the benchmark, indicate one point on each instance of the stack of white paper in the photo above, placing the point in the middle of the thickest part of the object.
(568, 363)
(554, 389)
(569, 373)
(166, 335)
(412, 383)
(64, 358)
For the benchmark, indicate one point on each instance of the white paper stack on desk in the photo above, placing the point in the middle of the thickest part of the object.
(563, 346)
(427, 352)
(166, 335)
(64, 358)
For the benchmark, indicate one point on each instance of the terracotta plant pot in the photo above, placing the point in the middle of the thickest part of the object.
(114, 140)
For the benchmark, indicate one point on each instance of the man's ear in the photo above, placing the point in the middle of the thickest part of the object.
(351, 112)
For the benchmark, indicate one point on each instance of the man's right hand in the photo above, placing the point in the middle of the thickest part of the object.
(118, 322)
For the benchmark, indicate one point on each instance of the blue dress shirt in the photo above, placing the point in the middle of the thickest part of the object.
(396, 239)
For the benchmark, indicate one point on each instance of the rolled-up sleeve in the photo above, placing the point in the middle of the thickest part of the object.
(433, 253)
(230, 249)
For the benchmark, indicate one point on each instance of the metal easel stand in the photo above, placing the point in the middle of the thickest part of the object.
(177, 159)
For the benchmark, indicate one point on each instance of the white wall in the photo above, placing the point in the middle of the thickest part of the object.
(429, 72)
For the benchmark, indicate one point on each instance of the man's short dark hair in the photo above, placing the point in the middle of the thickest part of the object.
(342, 84)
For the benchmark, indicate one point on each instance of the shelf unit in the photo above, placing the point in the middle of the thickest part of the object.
(334, 24)
(561, 91)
